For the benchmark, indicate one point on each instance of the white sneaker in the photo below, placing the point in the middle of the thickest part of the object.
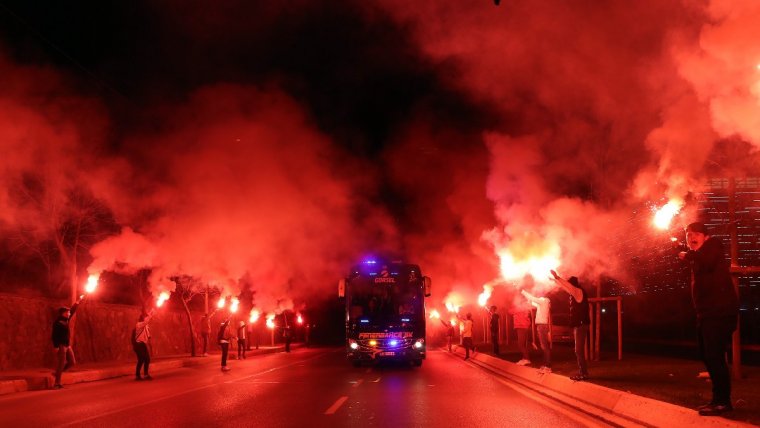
(544, 370)
(225, 369)
(523, 362)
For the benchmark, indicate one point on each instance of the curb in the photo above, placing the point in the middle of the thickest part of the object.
(45, 381)
(638, 409)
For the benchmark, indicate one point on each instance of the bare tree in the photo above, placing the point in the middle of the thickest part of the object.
(187, 288)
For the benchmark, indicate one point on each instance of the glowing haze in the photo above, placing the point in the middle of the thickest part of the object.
(488, 144)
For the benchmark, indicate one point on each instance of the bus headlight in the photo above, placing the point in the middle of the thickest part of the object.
(353, 345)
(419, 343)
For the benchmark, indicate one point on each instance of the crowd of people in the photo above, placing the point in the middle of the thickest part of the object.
(714, 297)
(141, 343)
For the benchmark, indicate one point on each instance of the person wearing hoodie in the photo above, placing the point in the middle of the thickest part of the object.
(579, 320)
(717, 305)
(543, 310)
(225, 337)
(61, 337)
(141, 341)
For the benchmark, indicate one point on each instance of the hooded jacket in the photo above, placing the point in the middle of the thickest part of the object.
(712, 289)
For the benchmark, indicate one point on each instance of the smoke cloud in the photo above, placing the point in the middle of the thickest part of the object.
(485, 143)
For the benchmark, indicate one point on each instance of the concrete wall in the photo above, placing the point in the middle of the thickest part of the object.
(102, 332)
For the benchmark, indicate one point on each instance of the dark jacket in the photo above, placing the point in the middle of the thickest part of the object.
(579, 311)
(61, 333)
(494, 323)
(712, 290)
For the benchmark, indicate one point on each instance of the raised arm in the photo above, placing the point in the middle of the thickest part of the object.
(567, 286)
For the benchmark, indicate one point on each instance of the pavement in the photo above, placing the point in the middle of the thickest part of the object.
(43, 378)
(639, 390)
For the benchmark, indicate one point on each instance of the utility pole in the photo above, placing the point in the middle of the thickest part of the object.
(736, 343)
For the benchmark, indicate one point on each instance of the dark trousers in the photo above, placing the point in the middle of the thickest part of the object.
(143, 358)
(495, 341)
(225, 350)
(543, 338)
(241, 349)
(65, 359)
(522, 343)
(467, 343)
(714, 340)
(204, 336)
(287, 344)
(580, 334)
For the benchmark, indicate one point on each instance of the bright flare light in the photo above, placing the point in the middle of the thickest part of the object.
(453, 322)
(534, 260)
(255, 314)
(664, 215)
(234, 305)
(220, 304)
(434, 314)
(485, 295)
(270, 321)
(451, 307)
(299, 319)
(162, 297)
(92, 283)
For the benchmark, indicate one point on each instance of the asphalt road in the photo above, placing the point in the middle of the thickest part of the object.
(306, 388)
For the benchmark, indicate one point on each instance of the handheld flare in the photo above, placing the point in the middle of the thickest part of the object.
(92, 283)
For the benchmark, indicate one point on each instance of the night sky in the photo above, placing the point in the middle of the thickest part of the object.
(269, 145)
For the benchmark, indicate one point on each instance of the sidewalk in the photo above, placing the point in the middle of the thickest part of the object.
(36, 379)
(650, 390)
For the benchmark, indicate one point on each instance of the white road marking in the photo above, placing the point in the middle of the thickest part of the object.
(336, 405)
(377, 380)
(358, 382)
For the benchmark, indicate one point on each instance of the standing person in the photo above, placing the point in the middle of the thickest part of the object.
(61, 337)
(494, 327)
(224, 337)
(521, 321)
(206, 331)
(142, 338)
(467, 336)
(579, 320)
(449, 332)
(717, 306)
(543, 311)
(241, 336)
(287, 334)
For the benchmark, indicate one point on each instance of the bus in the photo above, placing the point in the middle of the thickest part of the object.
(385, 312)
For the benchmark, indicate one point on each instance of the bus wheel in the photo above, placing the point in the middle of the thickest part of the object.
(417, 363)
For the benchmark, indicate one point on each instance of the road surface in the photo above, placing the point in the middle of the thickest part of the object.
(305, 388)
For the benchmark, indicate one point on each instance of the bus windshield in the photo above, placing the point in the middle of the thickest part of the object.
(388, 297)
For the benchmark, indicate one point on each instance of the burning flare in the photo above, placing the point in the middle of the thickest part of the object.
(270, 321)
(434, 314)
(234, 305)
(299, 319)
(664, 215)
(162, 297)
(485, 295)
(220, 304)
(92, 283)
(529, 259)
(451, 307)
